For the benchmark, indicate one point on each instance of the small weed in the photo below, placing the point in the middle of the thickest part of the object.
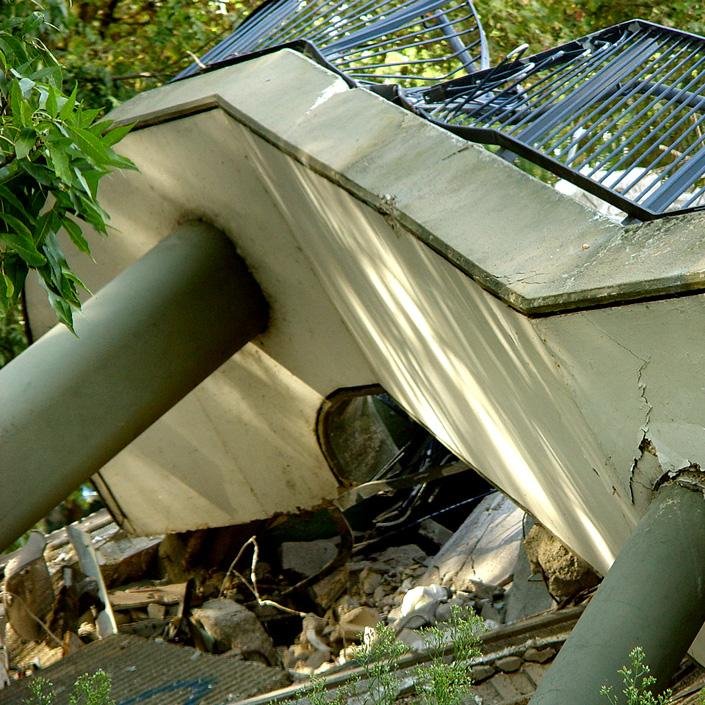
(89, 689)
(637, 681)
(443, 682)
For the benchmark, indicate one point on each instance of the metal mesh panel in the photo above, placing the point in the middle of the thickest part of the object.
(619, 113)
(414, 43)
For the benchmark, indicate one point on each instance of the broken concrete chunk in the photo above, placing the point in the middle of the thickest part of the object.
(482, 672)
(490, 610)
(369, 581)
(435, 532)
(508, 664)
(565, 573)
(124, 559)
(352, 624)
(312, 629)
(419, 606)
(308, 558)
(234, 627)
(402, 555)
(528, 594)
(327, 590)
(484, 548)
(412, 639)
(28, 587)
(539, 655)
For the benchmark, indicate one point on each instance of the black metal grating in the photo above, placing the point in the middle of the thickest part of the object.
(412, 43)
(620, 113)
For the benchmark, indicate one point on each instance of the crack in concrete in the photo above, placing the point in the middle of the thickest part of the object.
(644, 361)
(644, 444)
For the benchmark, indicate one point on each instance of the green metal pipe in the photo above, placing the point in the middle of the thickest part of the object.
(69, 404)
(653, 596)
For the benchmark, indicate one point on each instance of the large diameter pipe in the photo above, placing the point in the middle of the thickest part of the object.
(69, 404)
(653, 596)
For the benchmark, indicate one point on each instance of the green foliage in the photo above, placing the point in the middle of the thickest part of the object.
(113, 49)
(638, 683)
(543, 24)
(380, 663)
(448, 682)
(53, 153)
(89, 689)
(441, 681)
(12, 336)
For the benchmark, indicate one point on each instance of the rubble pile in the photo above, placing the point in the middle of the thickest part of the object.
(293, 607)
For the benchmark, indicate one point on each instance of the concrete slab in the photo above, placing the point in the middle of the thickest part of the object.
(485, 548)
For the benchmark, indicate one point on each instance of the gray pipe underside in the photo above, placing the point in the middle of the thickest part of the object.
(69, 404)
(653, 596)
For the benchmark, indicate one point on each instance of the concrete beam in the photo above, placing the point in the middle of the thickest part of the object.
(653, 597)
(144, 341)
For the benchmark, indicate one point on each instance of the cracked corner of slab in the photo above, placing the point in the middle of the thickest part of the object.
(645, 446)
(653, 468)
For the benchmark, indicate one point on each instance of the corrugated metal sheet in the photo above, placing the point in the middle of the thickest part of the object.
(156, 673)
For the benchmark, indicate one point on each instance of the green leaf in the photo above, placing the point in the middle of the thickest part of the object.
(52, 104)
(7, 289)
(60, 161)
(83, 182)
(15, 269)
(25, 143)
(63, 310)
(24, 247)
(68, 107)
(76, 235)
(89, 144)
(9, 198)
(115, 134)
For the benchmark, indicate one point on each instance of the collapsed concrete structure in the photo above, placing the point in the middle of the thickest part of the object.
(555, 351)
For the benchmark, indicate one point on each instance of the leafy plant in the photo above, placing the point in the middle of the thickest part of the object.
(89, 689)
(380, 663)
(638, 683)
(443, 681)
(53, 154)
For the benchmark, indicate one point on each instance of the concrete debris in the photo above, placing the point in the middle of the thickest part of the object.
(28, 592)
(126, 559)
(485, 548)
(352, 624)
(88, 560)
(235, 629)
(303, 626)
(565, 573)
(435, 532)
(509, 664)
(402, 555)
(528, 594)
(327, 590)
(308, 558)
(539, 655)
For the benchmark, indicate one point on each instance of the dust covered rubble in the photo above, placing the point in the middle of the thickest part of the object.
(241, 609)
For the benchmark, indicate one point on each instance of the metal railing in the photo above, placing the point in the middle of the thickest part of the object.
(620, 113)
(413, 43)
